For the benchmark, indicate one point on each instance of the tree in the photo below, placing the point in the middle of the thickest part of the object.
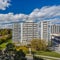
(10, 49)
(1, 53)
(38, 44)
(20, 55)
(10, 46)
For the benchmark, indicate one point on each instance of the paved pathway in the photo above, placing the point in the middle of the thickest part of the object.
(29, 57)
(48, 57)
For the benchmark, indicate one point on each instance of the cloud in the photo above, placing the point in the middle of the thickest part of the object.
(4, 4)
(51, 13)
(3, 26)
(45, 13)
(10, 17)
(56, 21)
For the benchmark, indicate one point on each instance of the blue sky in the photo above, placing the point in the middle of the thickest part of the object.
(29, 10)
(27, 6)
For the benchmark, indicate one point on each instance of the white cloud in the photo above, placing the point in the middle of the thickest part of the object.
(51, 13)
(4, 4)
(55, 21)
(47, 12)
(10, 17)
(3, 26)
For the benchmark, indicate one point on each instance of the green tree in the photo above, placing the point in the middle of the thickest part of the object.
(10, 49)
(38, 44)
(20, 55)
(5, 35)
(10, 46)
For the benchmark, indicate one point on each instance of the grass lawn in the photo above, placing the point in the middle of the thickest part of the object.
(3, 45)
(52, 54)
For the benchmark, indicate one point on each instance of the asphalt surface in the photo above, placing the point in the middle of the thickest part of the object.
(29, 57)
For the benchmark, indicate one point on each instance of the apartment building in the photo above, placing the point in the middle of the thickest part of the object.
(16, 36)
(25, 32)
(45, 30)
(29, 31)
(55, 29)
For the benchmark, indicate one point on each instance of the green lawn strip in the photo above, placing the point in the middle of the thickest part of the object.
(52, 54)
(3, 45)
(48, 58)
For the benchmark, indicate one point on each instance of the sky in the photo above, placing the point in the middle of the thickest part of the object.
(29, 10)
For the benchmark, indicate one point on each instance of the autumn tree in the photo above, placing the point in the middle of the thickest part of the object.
(38, 44)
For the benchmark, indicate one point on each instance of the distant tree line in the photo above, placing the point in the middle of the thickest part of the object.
(38, 44)
(5, 34)
(5, 31)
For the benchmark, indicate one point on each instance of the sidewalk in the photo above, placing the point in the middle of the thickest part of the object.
(29, 57)
(48, 57)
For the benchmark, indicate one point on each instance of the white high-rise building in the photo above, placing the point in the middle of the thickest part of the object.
(29, 31)
(16, 36)
(45, 30)
(26, 31)
(55, 29)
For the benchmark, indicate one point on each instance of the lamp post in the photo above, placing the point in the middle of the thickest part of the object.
(30, 50)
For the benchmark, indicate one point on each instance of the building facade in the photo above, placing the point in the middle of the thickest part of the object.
(16, 36)
(55, 29)
(25, 32)
(45, 30)
(29, 31)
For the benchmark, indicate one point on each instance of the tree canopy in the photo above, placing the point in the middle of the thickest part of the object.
(38, 44)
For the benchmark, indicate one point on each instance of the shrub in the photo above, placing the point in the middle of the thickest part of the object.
(1, 42)
(23, 58)
(24, 48)
(37, 58)
(20, 55)
(38, 44)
